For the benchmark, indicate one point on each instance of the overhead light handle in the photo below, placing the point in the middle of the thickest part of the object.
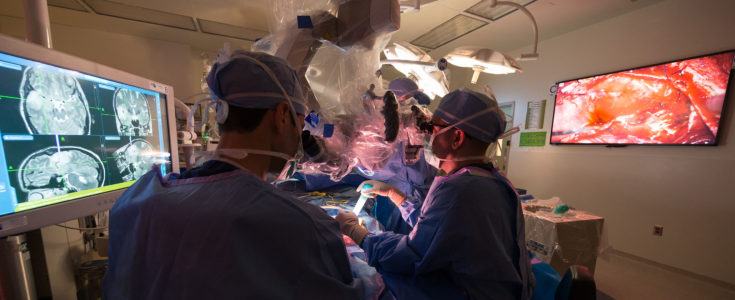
(476, 74)
(407, 62)
(528, 56)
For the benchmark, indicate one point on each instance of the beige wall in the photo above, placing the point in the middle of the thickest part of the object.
(688, 190)
(171, 63)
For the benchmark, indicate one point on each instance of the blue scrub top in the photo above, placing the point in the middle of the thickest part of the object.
(469, 242)
(222, 233)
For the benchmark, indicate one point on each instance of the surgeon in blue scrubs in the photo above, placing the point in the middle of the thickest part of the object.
(469, 239)
(405, 89)
(220, 230)
(402, 188)
(401, 185)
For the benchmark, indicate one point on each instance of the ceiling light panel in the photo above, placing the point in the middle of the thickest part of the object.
(69, 4)
(448, 31)
(484, 10)
(114, 9)
(228, 30)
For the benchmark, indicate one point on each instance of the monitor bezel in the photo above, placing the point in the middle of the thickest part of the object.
(48, 215)
(716, 142)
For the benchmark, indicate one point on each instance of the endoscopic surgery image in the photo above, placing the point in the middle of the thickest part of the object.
(675, 103)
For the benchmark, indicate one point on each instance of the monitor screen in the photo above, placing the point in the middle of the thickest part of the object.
(67, 135)
(676, 103)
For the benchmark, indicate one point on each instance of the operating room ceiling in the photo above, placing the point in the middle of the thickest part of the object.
(237, 21)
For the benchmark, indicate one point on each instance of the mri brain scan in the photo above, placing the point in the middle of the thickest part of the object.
(134, 159)
(132, 114)
(58, 171)
(53, 102)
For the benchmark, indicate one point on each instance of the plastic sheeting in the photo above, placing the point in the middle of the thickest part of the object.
(338, 55)
(358, 140)
(339, 79)
(572, 238)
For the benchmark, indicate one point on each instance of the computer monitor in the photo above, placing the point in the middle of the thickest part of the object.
(74, 134)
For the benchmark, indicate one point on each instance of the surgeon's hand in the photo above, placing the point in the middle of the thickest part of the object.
(382, 189)
(350, 226)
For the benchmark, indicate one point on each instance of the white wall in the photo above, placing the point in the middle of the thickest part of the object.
(688, 190)
(175, 64)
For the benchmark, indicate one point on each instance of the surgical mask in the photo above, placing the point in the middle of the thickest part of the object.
(237, 154)
(434, 160)
(430, 158)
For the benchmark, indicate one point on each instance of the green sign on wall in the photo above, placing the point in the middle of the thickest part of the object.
(533, 139)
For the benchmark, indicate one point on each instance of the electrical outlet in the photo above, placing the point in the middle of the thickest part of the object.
(658, 230)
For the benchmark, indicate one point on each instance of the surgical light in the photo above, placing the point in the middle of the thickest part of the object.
(482, 60)
(490, 61)
(416, 64)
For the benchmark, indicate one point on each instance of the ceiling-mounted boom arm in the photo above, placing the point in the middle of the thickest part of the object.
(528, 56)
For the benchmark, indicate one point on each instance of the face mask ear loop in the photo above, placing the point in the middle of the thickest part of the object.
(278, 83)
(222, 109)
(465, 120)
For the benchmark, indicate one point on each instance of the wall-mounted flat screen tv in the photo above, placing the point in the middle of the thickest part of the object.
(675, 103)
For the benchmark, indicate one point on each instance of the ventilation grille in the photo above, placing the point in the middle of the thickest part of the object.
(448, 31)
(228, 30)
(129, 12)
(157, 17)
(484, 10)
(68, 4)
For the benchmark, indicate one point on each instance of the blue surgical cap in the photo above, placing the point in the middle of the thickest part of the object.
(403, 86)
(484, 119)
(422, 98)
(243, 83)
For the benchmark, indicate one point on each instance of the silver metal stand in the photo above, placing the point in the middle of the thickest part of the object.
(16, 273)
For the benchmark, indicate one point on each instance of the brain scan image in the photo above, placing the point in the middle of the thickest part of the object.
(134, 159)
(132, 115)
(53, 102)
(56, 171)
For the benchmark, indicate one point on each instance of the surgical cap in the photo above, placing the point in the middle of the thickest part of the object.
(484, 119)
(243, 83)
(403, 86)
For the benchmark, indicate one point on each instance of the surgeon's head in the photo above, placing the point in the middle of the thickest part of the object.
(405, 89)
(464, 125)
(262, 105)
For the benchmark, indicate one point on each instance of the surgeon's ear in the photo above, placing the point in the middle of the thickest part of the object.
(459, 139)
(282, 117)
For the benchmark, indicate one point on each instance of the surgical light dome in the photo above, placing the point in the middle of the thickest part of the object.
(483, 60)
(416, 64)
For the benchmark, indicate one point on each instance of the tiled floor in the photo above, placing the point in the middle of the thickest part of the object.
(621, 277)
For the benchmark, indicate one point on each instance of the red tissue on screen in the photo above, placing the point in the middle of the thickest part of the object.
(674, 103)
